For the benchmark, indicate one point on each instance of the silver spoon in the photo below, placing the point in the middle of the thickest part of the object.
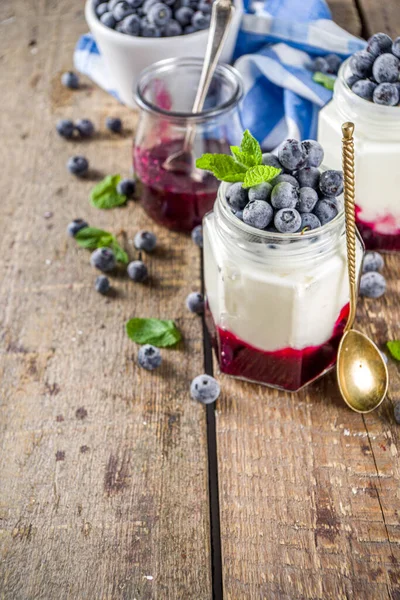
(221, 16)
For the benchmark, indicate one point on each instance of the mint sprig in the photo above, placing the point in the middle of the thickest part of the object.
(105, 195)
(244, 165)
(325, 80)
(394, 348)
(92, 238)
(153, 331)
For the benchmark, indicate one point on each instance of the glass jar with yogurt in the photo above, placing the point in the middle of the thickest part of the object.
(377, 139)
(277, 304)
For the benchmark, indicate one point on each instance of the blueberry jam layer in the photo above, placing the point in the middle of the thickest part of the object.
(174, 199)
(287, 369)
(373, 234)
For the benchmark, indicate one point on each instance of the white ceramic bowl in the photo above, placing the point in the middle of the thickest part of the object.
(126, 56)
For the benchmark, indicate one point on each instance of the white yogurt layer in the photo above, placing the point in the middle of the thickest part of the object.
(277, 302)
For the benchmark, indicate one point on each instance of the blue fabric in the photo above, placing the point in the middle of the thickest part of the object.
(276, 42)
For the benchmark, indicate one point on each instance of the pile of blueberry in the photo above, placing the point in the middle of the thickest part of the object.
(375, 71)
(153, 18)
(300, 198)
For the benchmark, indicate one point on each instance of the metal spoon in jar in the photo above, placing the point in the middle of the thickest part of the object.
(221, 16)
(361, 371)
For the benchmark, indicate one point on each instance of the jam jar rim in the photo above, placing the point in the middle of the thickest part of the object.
(225, 70)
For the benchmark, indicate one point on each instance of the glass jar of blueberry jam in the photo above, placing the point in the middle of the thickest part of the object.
(277, 303)
(165, 94)
(377, 140)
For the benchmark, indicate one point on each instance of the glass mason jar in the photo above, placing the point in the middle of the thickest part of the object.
(377, 157)
(165, 94)
(277, 304)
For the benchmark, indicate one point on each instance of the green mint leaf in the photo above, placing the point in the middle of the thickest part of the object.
(92, 238)
(394, 348)
(120, 254)
(251, 147)
(153, 331)
(224, 167)
(105, 195)
(247, 160)
(258, 174)
(325, 80)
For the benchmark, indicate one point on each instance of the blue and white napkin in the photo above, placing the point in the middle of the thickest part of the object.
(275, 44)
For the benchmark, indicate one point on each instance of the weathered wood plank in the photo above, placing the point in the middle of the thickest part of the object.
(346, 14)
(380, 16)
(103, 466)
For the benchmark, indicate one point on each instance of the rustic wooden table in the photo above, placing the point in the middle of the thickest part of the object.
(109, 474)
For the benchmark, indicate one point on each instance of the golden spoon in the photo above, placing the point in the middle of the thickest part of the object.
(361, 371)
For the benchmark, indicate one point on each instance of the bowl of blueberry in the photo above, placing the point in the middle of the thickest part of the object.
(133, 34)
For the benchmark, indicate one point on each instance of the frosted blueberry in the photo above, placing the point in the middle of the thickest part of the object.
(75, 226)
(200, 20)
(314, 152)
(159, 14)
(258, 214)
(396, 47)
(287, 220)
(378, 44)
(78, 165)
(364, 88)
(331, 183)
(108, 20)
(351, 79)
(65, 128)
(372, 285)
(326, 210)
(292, 155)
(309, 221)
(361, 63)
(184, 15)
(70, 80)
(284, 177)
(126, 187)
(386, 68)
(205, 389)
(145, 240)
(102, 284)
(101, 9)
(308, 198)
(195, 303)
(261, 191)
(122, 10)
(131, 25)
(237, 196)
(103, 259)
(137, 271)
(114, 124)
(373, 261)
(284, 195)
(386, 94)
(85, 127)
(270, 160)
(149, 357)
(197, 236)
(308, 177)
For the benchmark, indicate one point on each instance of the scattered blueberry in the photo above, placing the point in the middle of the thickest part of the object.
(75, 226)
(145, 240)
(373, 261)
(308, 177)
(396, 47)
(292, 155)
(159, 14)
(205, 389)
(285, 177)
(379, 44)
(287, 220)
(237, 196)
(372, 285)
(260, 192)
(308, 198)
(396, 412)
(184, 15)
(331, 183)
(386, 94)
(309, 221)
(122, 10)
(361, 63)
(108, 20)
(195, 303)
(270, 160)
(70, 80)
(364, 88)
(85, 127)
(131, 25)
(284, 195)
(200, 20)
(386, 68)
(126, 187)
(101, 9)
(258, 214)
(197, 236)
(149, 357)
(319, 64)
(334, 61)
(172, 28)
(114, 124)
(314, 152)
(65, 128)
(326, 210)
(103, 259)
(102, 284)
(78, 165)
(137, 271)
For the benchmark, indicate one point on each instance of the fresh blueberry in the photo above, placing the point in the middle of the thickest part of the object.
(149, 357)
(386, 68)
(262, 191)
(396, 412)
(205, 389)
(239, 215)
(145, 240)
(135, 3)
(184, 15)
(108, 20)
(103, 259)
(351, 79)
(65, 128)
(285, 177)
(308, 198)
(331, 183)
(148, 4)
(396, 47)
(131, 25)
(205, 7)
(361, 63)
(200, 20)
(96, 3)
(114, 124)
(112, 4)
(284, 195)
(319, 64)
(195, 303)
(386, 94)
(189, 29)
(237, 196)
(287, 220)
(78, 165)
(314, 152)
(75, 226)
(122, 10)
(334, 61)
(137, 271)
(172, 28)
(150, 30)
(364, 88)
(70, 80)
(309, 221)
(380, 43)
(270, 160)
(308, 177)
(159, 14)
(197, 236)
(258, 214)
(292, 155)
(190, 3)
(326, 210)
(373, 261)
(372, 285)
(85, 127)
(101, 9)
(126, 187)
(102, 284)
